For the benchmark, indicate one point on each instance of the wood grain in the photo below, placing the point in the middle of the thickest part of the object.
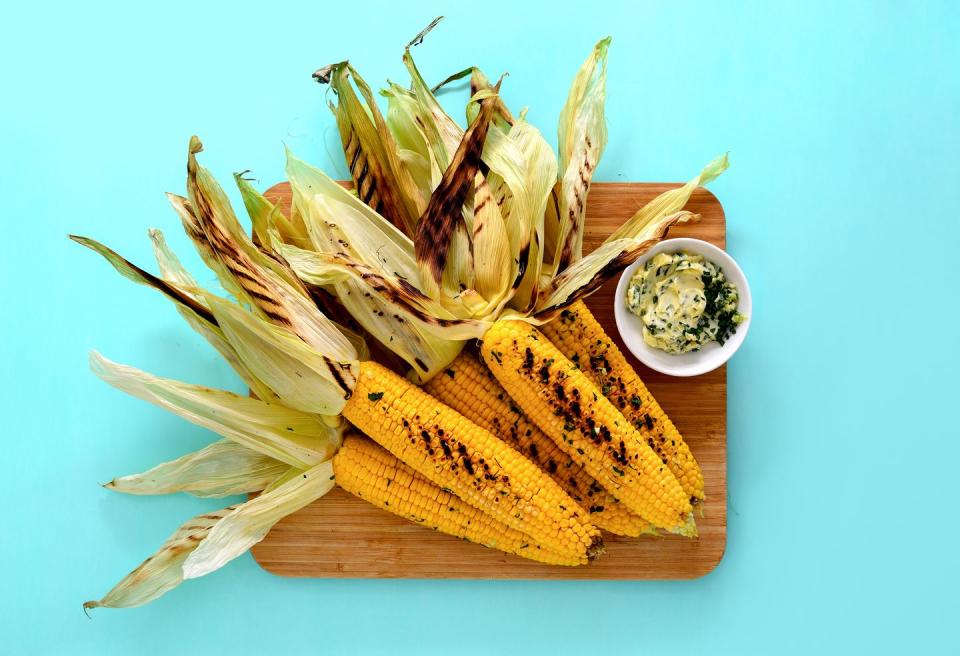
(342, 536)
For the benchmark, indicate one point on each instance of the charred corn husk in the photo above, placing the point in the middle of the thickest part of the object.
(568, 407)
(373, 474)
(458, 455)
(582, 339)
(468, 387)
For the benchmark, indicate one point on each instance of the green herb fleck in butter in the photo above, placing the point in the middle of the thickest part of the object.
(684, 302)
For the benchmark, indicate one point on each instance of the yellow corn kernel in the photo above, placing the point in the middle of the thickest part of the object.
(468, 387)
(458, 455)
(569, 408)
(373, 474)
(581, 338)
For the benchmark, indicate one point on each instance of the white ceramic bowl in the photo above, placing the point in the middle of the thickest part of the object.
(710, 356)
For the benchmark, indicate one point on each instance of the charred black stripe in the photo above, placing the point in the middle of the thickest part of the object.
(341, 383)
(159, 284)
(482, 204)
(372, 198)
(265, 298)
(277, 318)
(555, 198)
(244, 275)
(356, 152)
(523, 263)
(359, 179)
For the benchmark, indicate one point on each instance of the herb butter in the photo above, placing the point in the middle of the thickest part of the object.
(684, 302)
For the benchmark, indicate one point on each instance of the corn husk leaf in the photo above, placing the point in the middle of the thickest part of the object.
(190, 301)
(191, 225)
(174, 272)
(403, 121)
(246, 525)
(585, 276)
(398, 316)
(646, 221)
(625, 245)
(296, 438)
(338, 221)
(453, 77)
(442, 132)
(305, 378)
(162, 571)
(380, 180)
(171, 268)
(288, 475)
(266, 217)
(480, 83)
(321, 268)
(525, 164)
(418, 345)
(134, 273)
(582, 136)
(551, 228)
(218, 470)
(266, 283)
(491, 246)
(370, 266)
(442, 221)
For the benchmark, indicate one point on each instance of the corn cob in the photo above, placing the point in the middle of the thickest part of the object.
(468, 387)
(458, 455)
(582, 339)
(568, 407)
(371, 473)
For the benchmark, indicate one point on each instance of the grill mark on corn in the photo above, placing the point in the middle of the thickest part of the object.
(367, 471)
(473, 393)
(582, 424)
(582, 332)
(477, 479)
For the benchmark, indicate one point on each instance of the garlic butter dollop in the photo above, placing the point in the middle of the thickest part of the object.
(684, 302)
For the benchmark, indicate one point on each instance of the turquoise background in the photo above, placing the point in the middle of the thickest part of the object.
(842, 123)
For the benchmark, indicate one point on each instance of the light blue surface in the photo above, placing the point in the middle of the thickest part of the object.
(842, 122)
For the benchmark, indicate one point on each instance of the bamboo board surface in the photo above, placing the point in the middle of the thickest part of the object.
(341, 536)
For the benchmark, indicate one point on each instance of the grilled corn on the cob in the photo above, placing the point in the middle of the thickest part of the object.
(581, 338)
(371, 473)
(468, 387)
(569, 407)
(458, 455)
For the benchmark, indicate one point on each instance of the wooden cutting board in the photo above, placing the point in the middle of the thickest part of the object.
(341, 536)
